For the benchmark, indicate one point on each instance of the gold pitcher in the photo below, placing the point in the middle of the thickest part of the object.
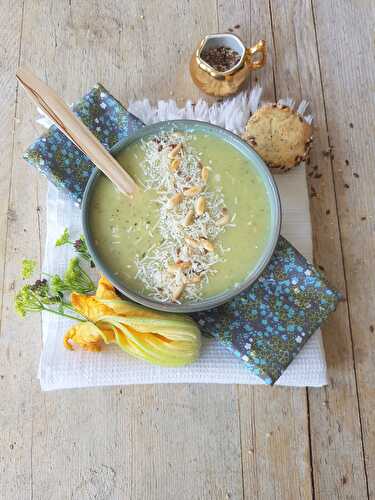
(224, 83)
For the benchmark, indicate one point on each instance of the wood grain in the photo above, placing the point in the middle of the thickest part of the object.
(265, 441)
(134, 442)
(334, 423)
(195, 441)
(10, 44)
(16, 231)
(348, 58)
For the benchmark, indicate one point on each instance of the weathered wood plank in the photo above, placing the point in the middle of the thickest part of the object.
(347, 70)
(134, 442)
(334, 425)
(15, 405)
(250, 20)
(10, 40)
(274, 422)
(136, 451)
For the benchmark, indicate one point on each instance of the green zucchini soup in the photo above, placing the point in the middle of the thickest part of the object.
(198, 226)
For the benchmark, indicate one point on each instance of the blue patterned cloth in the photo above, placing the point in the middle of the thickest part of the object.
(266, 325)
(61, 161)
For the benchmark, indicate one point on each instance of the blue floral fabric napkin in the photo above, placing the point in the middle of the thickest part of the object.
(266, 325)
(61, 161)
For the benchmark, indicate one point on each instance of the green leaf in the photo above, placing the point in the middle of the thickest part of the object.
(64, 238)
(76, 279)
(58, 285)
(27, 301)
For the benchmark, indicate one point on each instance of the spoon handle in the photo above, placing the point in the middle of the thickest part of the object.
(75, 130)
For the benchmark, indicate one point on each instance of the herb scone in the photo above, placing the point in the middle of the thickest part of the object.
(280, 136)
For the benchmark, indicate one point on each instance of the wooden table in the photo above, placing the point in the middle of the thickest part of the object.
(196, 441)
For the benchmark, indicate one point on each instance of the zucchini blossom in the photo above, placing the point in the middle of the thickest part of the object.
(160, 338)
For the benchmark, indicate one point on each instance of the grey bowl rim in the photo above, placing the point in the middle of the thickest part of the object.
(217, 300)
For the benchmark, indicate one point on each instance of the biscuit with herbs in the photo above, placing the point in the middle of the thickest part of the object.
(280, 136)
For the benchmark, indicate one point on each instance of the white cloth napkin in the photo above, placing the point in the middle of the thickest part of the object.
(62, 369)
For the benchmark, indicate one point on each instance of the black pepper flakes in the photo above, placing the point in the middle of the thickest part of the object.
(328, 211)
(346, 162)
(221, 58)
(356, 175)
(346, 186)
(351, 125)
(372, 329)
(363, 218)
(237, 26)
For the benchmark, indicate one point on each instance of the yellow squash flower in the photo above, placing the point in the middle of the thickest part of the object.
(87, 335)
(161, 338)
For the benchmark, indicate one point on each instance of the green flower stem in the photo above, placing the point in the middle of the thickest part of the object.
(44, 308)
(63, 314)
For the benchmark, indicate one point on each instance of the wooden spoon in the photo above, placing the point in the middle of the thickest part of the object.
(75, 130)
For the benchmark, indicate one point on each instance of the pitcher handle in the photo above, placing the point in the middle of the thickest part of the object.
(260, 48)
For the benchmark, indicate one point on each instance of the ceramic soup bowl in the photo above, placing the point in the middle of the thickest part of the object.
(112, 268)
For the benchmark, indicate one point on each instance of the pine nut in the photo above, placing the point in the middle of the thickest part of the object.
(206, 244)
(184, 264)
(192, 243)
(200, 205)
(178, 266)
(175, 165)
(189, 218)
(204, 174)
(172, 154)
(175, 200)
(189, 193)
(177, 292)
(224, 219)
